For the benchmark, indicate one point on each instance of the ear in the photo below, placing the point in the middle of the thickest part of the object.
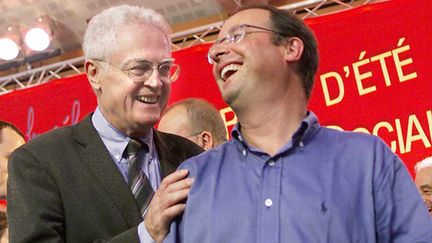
(293, 49)
(205, 140)
(92, 70)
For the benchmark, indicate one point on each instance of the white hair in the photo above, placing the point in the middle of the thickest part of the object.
(423, 164)
(100, 37)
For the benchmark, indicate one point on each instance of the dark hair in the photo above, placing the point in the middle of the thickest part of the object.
(289, 25)
(5, 124)
(203, 116)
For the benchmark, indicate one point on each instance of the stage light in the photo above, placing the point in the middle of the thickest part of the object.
(27, 43)
(37, 39)
(9, 49)
(11, 52)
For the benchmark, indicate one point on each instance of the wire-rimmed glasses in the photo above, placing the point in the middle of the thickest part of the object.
(236, 34)
(141, 71)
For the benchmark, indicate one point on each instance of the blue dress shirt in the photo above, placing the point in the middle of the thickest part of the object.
(116, 142)
(322, 186)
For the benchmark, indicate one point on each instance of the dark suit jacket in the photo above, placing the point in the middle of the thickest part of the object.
(64, 187)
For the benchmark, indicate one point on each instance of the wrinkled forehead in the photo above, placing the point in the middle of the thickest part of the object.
(424, 175)
(141, 42)
(257, 17)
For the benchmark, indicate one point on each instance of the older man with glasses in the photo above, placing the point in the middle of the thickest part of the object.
(107, 178)
(283, 177)
(423, 181)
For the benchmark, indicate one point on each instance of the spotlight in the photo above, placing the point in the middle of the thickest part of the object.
(11, 52)
(37, 39)
(22, 44)
(9, 49)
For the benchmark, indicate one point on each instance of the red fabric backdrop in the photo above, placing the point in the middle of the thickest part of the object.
(374, 76)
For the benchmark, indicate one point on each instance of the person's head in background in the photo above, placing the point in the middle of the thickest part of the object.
(10, 139)
(196, 120)
(423, 181)
(128, 63)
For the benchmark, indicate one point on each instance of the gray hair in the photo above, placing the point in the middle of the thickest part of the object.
(423, 164)
(100, 37)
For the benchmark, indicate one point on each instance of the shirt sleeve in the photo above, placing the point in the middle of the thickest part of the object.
(144, 235)
(400, 213)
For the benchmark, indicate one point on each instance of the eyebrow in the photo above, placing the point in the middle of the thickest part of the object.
(424, 187)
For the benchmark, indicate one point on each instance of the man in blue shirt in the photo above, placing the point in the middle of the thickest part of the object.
(283, 177)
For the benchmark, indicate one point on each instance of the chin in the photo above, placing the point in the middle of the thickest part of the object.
(228, 98)
(149, 121)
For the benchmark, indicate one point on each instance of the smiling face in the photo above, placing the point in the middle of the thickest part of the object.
(133, 108)
(252, 70)
(423, 182)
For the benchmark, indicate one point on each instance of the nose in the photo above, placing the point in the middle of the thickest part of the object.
(154, 80)
(216, 52)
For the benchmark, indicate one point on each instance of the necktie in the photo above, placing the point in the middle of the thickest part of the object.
(138, 181)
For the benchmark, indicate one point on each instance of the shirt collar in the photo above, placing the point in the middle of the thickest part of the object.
(301, 137)
(114, 139)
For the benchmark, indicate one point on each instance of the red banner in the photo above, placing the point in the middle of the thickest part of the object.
(373, 77)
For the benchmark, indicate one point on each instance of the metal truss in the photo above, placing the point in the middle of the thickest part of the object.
(36, 76)
(180, 40)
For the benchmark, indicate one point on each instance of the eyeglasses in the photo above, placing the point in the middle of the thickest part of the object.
(141, 71)
(236, 34)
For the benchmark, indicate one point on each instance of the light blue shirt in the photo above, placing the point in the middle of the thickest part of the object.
(322, 186)
(116, 142)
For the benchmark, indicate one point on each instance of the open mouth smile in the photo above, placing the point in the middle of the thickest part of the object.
(229, 70)
(147, 99)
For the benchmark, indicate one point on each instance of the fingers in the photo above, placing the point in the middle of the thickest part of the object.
(173, 177)
(180, 185)
(175, 210)
(172, 194)
(174, 198)
(167, 203)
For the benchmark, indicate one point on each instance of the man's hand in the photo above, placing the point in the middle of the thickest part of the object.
(167, 203)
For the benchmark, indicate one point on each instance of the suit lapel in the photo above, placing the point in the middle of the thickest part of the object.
(101, 164)
(168, 160)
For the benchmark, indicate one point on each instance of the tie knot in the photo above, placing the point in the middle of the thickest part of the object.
(134, 146)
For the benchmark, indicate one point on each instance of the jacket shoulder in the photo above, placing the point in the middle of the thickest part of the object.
(178, 144)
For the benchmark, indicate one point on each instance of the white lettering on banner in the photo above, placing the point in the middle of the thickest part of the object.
(361, 73)
(414, 132)
(70, 119)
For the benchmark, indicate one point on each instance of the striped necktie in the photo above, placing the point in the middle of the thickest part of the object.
(137, 179)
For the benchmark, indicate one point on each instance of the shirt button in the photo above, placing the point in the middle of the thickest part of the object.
(271, 163)
(268, 202)
(244, 152)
